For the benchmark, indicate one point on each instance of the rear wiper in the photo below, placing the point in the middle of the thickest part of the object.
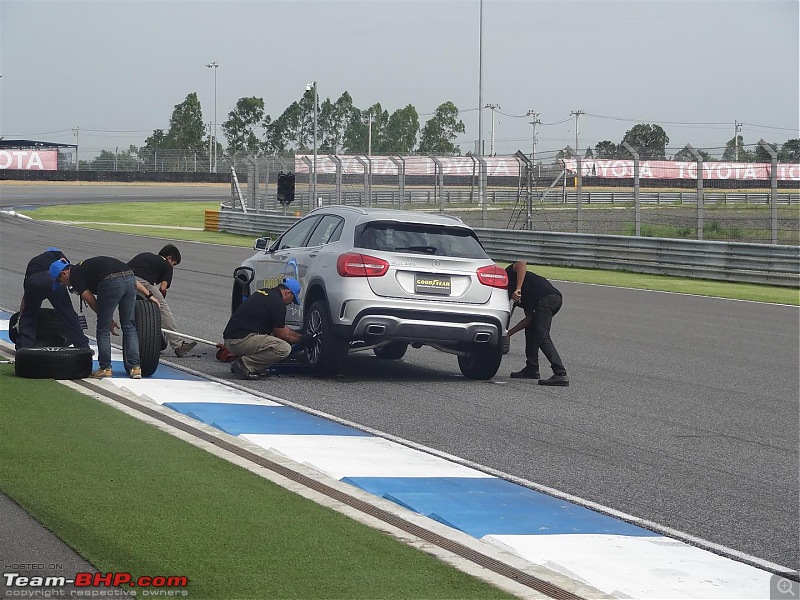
(422, 249)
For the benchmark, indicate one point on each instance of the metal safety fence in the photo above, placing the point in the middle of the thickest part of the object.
(723, 261)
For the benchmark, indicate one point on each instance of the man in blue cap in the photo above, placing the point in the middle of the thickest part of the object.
(38, 286)
(106, 284)
(257, 333)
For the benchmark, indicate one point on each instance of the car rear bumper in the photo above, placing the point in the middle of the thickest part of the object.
(464, 326)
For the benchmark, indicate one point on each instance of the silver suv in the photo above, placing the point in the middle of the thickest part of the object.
(381, 280)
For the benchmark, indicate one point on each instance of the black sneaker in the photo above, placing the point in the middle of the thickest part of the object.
(561, 380)
(525, 373)
(239, 369)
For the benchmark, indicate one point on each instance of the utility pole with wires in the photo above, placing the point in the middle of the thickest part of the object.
(737, 127)
(368, 122)
(492, 107)
(577, 114)
(534, 122)
(77, 132)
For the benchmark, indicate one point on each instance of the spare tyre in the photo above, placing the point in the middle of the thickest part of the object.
(148, 330)
(53, 363)
(50, 329)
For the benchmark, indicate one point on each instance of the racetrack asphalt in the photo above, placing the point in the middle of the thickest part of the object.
(682, 410)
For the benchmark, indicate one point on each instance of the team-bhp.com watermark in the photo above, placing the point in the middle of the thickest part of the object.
(88, 585)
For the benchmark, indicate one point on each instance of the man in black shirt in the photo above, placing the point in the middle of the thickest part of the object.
(106, 283)
(37, 287)
(154, 271)
(257, 333)
(541, 301)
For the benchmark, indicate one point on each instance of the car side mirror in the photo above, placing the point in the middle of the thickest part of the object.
(262, 243)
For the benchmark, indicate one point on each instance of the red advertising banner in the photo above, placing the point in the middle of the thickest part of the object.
(29, 160)
(496, 166)
(665, 169)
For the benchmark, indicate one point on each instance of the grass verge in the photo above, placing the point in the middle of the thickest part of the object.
(191, 214)
(129, 497)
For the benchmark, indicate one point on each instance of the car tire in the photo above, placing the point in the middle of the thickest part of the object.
(148, 330)
(483, 363)
(327, 357)
(391, 351)
(50, 329)
(53, 363)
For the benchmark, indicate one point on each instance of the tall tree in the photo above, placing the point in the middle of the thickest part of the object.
(186, 125)
(761, 155)
(281, 133)
(400, 135)
(650, 141)
(683, 155)
(157, 141)
(304, 123)
(334, 117)
(734, 150)
(790, 151)
(606, 149)
(440, 130)
(240, 127)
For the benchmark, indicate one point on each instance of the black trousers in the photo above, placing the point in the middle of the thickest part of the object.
(38, 288)
(537, 335)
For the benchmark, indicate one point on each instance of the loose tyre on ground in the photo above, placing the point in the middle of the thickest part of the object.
(148, 329)
(53, 363)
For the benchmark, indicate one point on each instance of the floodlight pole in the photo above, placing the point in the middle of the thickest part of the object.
(214, 65)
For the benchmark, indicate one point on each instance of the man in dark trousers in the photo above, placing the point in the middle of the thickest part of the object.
(106, 283)
(37, 287)
(257, 333)
(541, 301)
(154, 271)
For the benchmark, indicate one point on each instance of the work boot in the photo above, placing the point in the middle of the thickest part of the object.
(136, 373)
(184, 349)
(527, 372)
(239, 369)
(101, 373)
(561, 380)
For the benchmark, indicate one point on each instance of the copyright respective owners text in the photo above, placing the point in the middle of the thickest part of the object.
(26, 582)
(784, 587)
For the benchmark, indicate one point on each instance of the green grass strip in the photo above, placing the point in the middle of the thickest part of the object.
(129, 497)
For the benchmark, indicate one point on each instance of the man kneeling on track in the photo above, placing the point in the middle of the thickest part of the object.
(257, 333)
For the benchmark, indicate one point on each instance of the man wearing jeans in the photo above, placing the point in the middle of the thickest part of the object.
(541, 301)
(105, 284)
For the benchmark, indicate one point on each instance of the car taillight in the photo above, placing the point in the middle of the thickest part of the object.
(493, 276)
(354, 264)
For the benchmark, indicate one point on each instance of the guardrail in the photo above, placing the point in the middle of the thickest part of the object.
(722, 261)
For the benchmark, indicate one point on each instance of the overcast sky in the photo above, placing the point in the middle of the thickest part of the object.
(116, 68)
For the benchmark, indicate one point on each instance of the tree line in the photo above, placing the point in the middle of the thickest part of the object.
(343, 128)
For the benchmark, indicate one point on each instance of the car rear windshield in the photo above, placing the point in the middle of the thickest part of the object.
(415, 238)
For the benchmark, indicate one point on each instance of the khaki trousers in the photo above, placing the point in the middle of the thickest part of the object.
(259, 351)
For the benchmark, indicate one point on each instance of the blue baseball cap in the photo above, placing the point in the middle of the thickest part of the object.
(53, 249)
(294, 286)
(55, 270)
